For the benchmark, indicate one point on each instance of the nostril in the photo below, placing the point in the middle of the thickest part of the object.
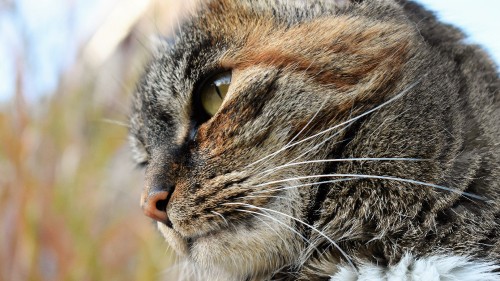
(155, 205)
(161, 205)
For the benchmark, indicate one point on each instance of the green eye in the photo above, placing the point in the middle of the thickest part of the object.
(214, 91)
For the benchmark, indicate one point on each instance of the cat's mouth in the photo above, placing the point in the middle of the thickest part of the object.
(182, 243)
(206, 234)
(249, 246)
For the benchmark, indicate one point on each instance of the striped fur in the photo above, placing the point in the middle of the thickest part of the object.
(353, 133)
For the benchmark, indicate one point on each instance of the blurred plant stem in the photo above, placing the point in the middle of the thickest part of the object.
(68, 191)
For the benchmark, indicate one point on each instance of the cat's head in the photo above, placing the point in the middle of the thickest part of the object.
(241, 116)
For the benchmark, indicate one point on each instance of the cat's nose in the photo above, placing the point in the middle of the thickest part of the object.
(154, 203)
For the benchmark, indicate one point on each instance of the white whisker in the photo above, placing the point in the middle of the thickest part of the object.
(378, 177)
(338, 160)
(320, 144)
(115, 122)
(266, 196)
(274, 219)
(308, 123)
(344, 254)
(220, 215)
(302, 185)
(351, 120)
(269, 226)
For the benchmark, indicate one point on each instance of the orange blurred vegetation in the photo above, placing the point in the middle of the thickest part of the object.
(69, 192)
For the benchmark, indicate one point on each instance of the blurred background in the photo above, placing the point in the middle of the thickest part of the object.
(69, 192)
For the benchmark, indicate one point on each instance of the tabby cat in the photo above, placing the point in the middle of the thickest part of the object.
(322, 140)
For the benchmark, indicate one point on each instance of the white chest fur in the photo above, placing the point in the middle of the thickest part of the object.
(434, 268)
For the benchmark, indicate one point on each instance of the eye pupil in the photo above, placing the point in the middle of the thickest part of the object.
(218, 92)
(213, 92)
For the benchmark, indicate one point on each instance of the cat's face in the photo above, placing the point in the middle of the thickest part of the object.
(236, 185)
(288, 84)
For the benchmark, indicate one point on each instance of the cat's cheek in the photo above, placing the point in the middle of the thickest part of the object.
(174, 239)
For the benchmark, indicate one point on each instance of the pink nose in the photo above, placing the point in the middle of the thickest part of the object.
(154, 205)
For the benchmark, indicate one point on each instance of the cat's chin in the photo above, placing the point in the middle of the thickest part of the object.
(227, 251)
(183, 243)
(175, 240)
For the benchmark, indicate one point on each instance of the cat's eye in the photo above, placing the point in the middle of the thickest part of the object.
(213, 92)
(139, 152)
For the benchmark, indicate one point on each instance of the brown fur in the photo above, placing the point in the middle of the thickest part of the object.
(298, 72)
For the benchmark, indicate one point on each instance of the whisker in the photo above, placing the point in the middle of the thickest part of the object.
(302, 185)
(351, 120)
(220, 215)
(269, 226)
(344, 254)
(276, 220)
(339, 160)
(474, 196)
(320, 144)
(308, 123)
(115, 122)
(266, 196)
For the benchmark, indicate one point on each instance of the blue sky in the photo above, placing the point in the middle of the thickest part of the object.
(48, 33)
(479, 19)
(43, 36)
